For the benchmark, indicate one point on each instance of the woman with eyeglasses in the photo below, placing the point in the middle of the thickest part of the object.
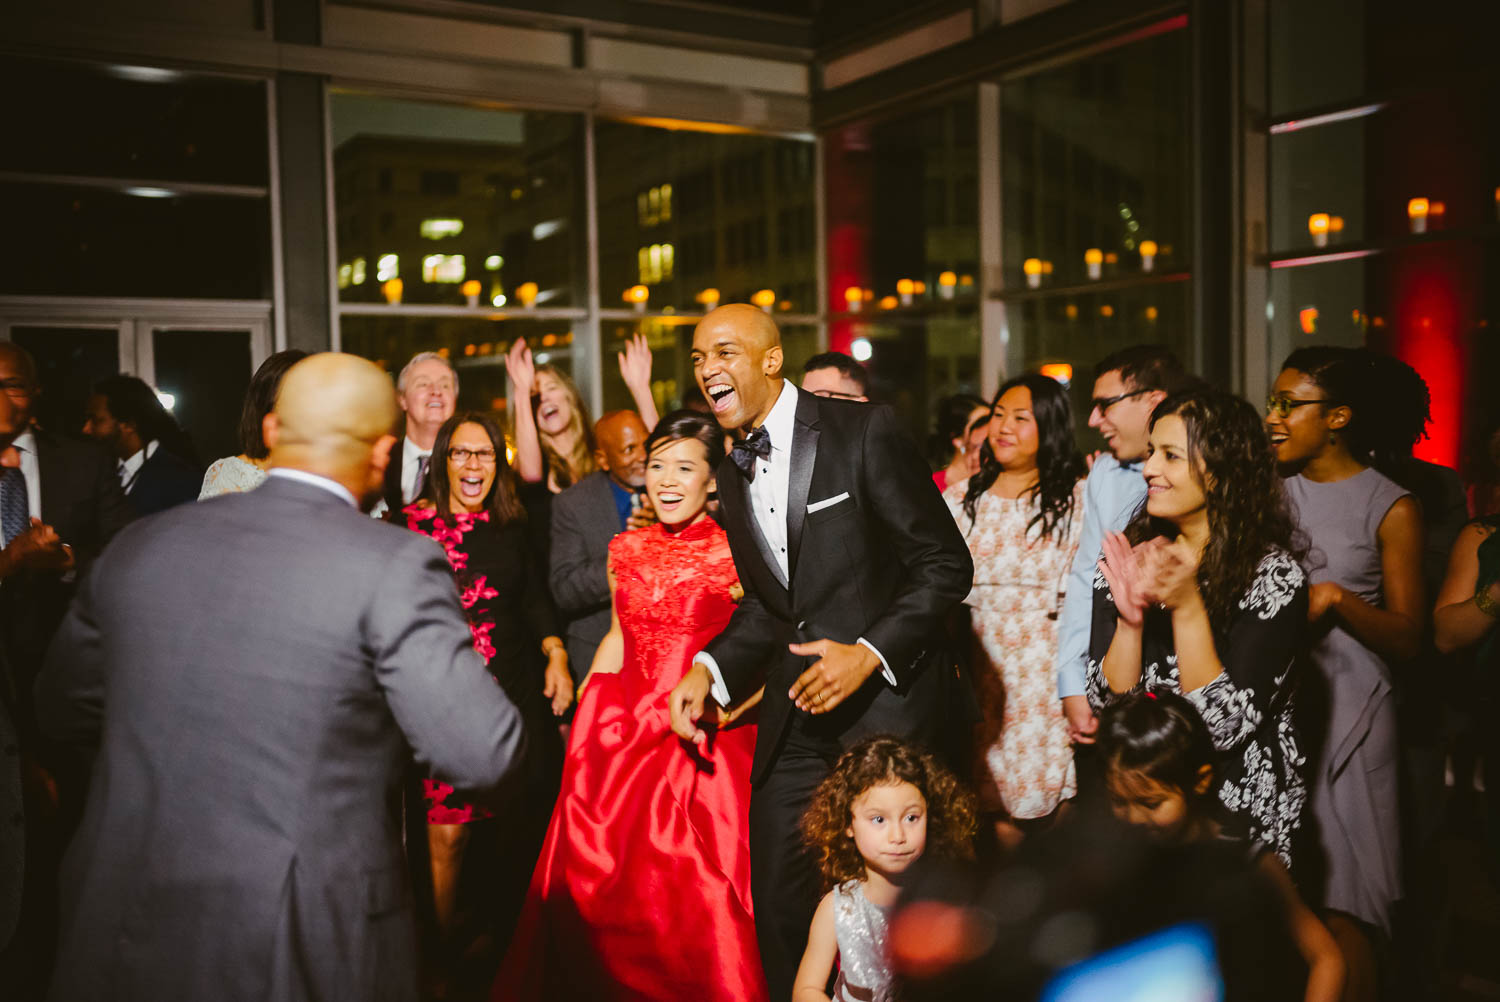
(1019, 515)
(469, 506)
(1327, 426)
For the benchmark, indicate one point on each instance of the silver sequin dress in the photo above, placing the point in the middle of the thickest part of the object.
(864, 972)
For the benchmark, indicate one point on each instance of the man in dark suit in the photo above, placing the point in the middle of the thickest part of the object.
(241, 838)
(125, 416)
(850, 561)
(427, 390)
(585, 517)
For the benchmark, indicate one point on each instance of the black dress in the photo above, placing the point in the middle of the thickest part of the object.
(502, 586)
(1248, 708)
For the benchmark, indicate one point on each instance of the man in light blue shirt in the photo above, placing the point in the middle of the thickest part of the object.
(1127, 387)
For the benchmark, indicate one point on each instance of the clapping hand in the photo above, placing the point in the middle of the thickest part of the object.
(1170, 572)
(635, 364)
(1124, 573)
(520, 368)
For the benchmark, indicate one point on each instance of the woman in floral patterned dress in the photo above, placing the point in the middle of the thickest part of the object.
(1203, 595)
(468, 505)
(1020, 515)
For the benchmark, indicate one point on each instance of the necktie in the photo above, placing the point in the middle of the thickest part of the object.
(423, 461)
(15, 507)
(745, 451)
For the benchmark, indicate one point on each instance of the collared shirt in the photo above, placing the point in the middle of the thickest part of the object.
(411, 456)
(624, 500)
(131, 468)
(1111, 495)
(31, 469)
(768, 499)
(333, 487)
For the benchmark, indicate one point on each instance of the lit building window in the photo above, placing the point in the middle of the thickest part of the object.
(357, 272)
(666, 261)
(437, 229)
(643, 262)
(443, 268)
(666, 202)
(642, 209)
(493, 262)
(387, 267)
(346, 274)
(654, 197)
(655, 261)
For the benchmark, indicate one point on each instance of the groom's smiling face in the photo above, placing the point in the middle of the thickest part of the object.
(737, 362)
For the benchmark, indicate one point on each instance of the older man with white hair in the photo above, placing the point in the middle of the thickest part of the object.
(427, 390)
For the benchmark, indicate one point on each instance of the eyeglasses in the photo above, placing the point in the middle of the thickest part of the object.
(1103, 404)
(486, 457)
(835, 395)
(1284, 406)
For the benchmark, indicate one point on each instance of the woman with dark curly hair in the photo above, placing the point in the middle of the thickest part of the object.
(1020, 515)
(1335, 423)
(884, 806)
(1203, 595)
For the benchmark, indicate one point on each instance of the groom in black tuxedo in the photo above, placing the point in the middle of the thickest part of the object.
(850, 561)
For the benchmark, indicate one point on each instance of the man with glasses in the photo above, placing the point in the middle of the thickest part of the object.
(1127, 387)
(834, 374)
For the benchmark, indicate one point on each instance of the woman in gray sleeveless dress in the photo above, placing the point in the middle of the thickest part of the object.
(1365, 536)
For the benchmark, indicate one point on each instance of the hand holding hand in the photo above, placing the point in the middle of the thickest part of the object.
(686, 704)
(1170, 572)
(838, 672)
(635, 364)
(1082, 724)
(557, 683)
(520, 368)
(1321, 598)
(1123, 574)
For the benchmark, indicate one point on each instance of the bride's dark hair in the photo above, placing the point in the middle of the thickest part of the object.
(684, 424)
(1230, 456)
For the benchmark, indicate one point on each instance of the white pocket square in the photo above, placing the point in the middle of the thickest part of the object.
(827, 502)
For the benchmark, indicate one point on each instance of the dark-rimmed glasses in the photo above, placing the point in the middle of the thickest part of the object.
(835, 395)
(1283, 406)
(1103, 404)
(486, 457)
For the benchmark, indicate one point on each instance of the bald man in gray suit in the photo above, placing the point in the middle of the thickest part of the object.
(255, 667)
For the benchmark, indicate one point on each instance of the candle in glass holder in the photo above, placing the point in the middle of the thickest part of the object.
(1435, 213)
(1416, 212)
(470, 289)
(527, 292)
(1032, 268)
(709, 298)
(392, 290)
(948, 281)
(636, 296)
(1094, 259)
(904, 288)
(1148, 255)
(1317, 227)
(765, 299)
(854, 298)
(1335, 227)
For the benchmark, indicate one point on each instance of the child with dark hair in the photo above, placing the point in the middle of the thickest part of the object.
(1159, 769)
(883, 807)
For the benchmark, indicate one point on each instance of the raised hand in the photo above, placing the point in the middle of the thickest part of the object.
(1123, 574)
(1170, 573)
(635, 364)
(520, 368)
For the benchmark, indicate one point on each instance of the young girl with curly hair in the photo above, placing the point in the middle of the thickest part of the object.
(884, 806)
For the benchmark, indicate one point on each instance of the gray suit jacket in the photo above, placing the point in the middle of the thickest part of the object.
(584, 520)
(257, 665)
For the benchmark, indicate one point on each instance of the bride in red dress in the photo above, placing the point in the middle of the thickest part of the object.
(649, 838)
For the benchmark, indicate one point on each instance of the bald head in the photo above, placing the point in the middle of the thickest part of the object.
(621, 436)
(737, 362)
(334, 416)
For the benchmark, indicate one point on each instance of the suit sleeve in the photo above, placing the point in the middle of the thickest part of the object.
(457, 720)
(578, 578)
(69, 690)
(745, 648)
(111, 511)
(918, 525)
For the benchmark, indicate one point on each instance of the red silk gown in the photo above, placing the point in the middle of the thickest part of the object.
(642, 890)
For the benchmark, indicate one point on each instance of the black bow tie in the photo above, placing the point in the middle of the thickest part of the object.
(757, 443)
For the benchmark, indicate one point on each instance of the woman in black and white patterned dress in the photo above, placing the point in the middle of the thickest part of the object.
(1203, 595)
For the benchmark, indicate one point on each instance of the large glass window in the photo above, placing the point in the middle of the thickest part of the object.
(1095, 214)
(444, 204)
(903, 252)
(681, 212)
(134, 181)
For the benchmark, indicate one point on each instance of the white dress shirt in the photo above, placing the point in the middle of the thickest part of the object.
(131, 468)
(411, 455)
(31, 469)
(303, 477)
(768, 498)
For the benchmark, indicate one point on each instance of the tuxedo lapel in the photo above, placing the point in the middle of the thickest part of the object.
(739, 509)
(804, 455)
